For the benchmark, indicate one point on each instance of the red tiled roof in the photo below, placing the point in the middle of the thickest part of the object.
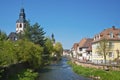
(106, 34)
(75, 46)
(85, 42)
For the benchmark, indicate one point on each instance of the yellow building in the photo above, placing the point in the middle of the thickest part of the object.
(112, 36)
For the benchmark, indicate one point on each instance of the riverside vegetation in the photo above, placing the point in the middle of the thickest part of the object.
(26, 74)
(92, 72)
(32, 47)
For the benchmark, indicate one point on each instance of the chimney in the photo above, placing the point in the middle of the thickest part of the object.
(113, 27)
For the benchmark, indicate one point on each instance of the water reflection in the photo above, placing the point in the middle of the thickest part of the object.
(59, 71)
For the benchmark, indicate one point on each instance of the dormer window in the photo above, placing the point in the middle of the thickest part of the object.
(111, 35)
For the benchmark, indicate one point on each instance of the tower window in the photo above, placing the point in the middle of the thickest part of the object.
(20, 25)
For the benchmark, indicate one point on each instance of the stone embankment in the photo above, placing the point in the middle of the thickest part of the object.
(97, 66)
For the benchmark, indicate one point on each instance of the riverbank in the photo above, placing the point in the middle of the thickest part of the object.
(94, 73)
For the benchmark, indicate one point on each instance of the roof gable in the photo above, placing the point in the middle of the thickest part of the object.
(85, 42)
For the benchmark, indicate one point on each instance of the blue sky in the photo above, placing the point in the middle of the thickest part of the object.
(69, 20)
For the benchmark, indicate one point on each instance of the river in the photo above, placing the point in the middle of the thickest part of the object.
(59, 71)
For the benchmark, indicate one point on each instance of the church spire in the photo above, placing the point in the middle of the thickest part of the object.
(21, 16)
(22, 13)
(20, 23)
(53, 39)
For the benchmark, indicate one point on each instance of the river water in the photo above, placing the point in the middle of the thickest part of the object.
(59, 71)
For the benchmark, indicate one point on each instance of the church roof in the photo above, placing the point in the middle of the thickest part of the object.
(21, 16)
(21, 21)
(12, 36)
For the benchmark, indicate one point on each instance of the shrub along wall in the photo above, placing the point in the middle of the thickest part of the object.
(12, 70)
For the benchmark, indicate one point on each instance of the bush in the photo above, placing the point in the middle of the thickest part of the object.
(26, 74)
(20, 51)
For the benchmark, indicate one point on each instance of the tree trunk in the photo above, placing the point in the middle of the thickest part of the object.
(104, 61)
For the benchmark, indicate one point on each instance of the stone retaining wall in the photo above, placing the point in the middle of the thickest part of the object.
(90, 65)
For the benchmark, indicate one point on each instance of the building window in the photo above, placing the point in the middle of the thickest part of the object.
(110, 44)
(111, 35)
(110, 54)
(80, 49)
(15, 38)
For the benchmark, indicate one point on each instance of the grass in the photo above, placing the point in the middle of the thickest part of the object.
(88, 72)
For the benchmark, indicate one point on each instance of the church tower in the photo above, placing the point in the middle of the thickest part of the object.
(20, 23)
(53, 39)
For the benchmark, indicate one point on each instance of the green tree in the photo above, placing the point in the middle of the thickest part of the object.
(34, 33)
(37, 34)
(3, 35)
(7, 55)
(20, 51)
(103, 48)
(30, 52)
(48, 49)
(58, 50)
